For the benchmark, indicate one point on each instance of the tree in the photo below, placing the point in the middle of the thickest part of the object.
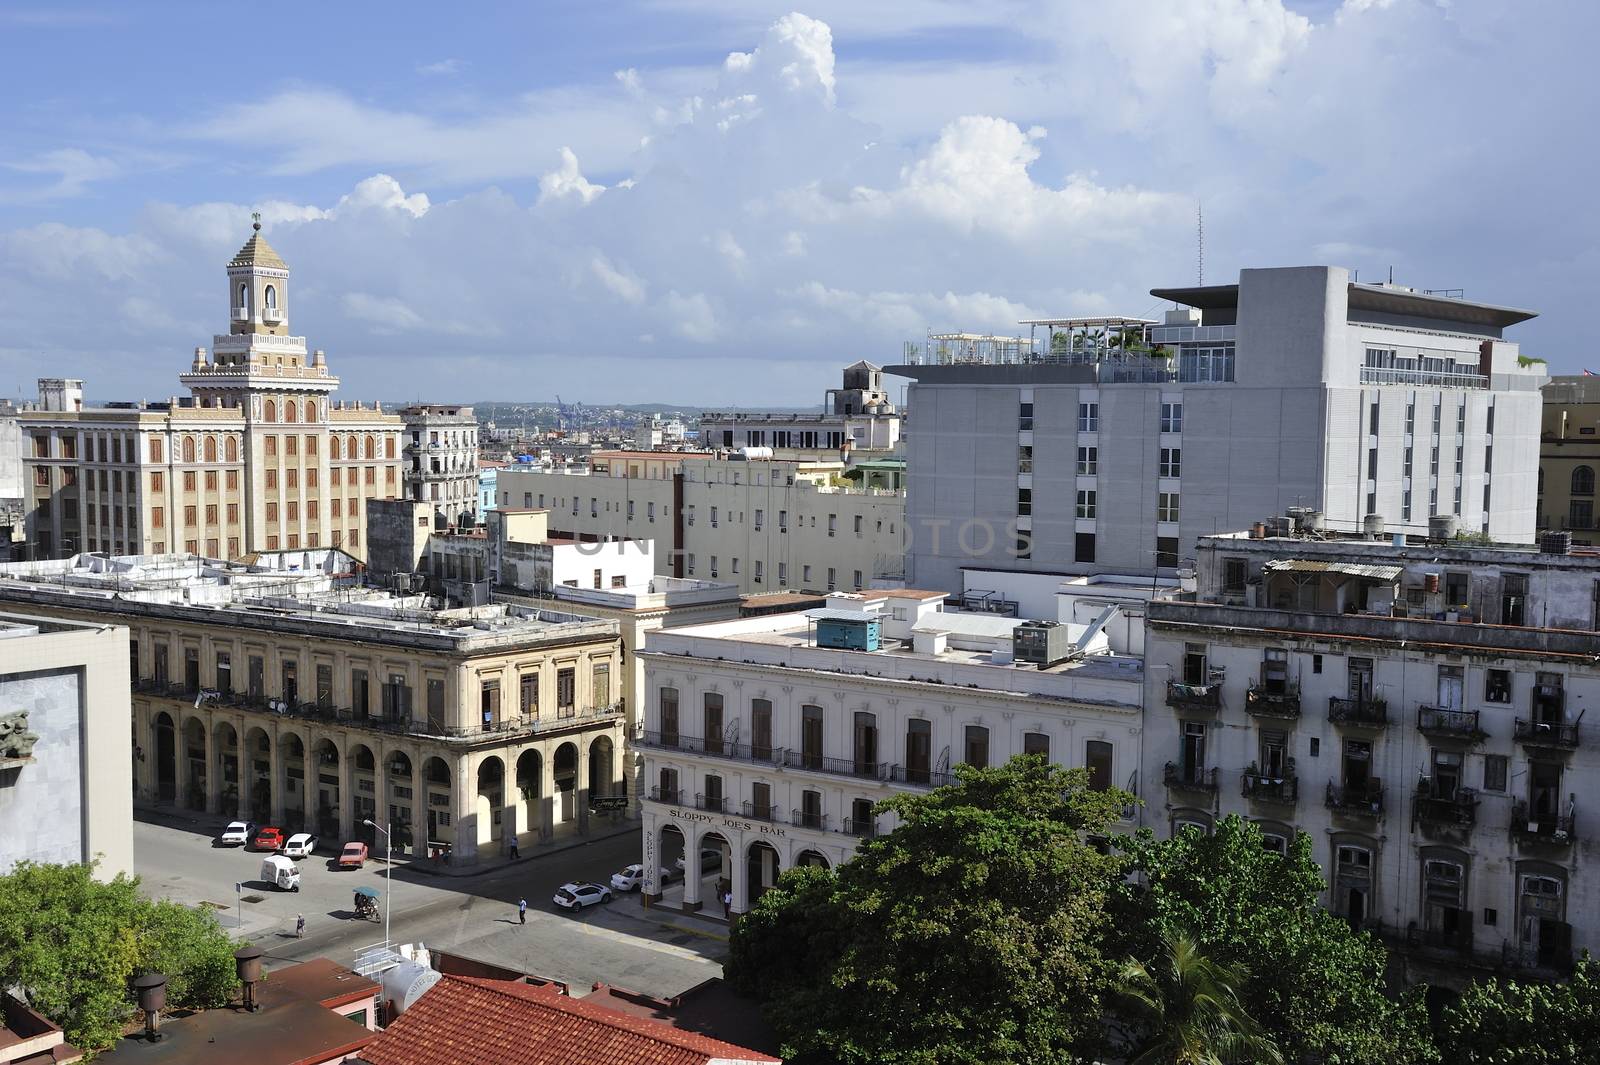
(1506, 1022)
(1189, 1011)
(971, 933)
(1315, 985)
(72, 943)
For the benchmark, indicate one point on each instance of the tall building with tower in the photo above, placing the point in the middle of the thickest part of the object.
(259, 456)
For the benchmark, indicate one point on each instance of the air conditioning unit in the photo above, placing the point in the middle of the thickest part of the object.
(1041, 643)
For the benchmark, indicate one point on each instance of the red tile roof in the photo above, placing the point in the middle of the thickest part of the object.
(465, 1020)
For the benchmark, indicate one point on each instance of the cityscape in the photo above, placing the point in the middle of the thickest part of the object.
(836, 578)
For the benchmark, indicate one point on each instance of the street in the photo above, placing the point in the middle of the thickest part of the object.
(621, 943)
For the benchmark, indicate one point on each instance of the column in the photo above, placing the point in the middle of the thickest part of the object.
(463, 813)
(650, 891)
(213, 770)
(547, 796)
(277, 777)
(580, 791)
(419, 812)
(692, 873)
(347, 794)
(245, 761)
(740, 875)
(180, 764)
(145, 760)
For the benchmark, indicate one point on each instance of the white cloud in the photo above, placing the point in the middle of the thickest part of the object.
(567, 181)
(691, 316)
(72, 170)
(386, 313)
(383, 192)
(442, 68)
(621, 282)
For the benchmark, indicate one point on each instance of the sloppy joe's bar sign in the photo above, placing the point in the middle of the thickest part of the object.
(728, 822)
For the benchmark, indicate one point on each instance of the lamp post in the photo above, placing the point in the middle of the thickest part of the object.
(388, 875)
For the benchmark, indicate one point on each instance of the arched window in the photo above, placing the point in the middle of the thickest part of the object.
(244, 296)
(233, 450)
(372, 447)
(1583, 481)
(290, 413)
(311, 410)
(271, 411)
(334, 447)
(211, 449)
(188, 449)
(271, 298)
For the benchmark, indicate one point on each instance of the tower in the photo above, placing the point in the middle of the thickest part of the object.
(258, 283)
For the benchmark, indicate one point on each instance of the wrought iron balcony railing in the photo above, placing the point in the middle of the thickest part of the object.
(1263, 701)
(1448, 723)
(1364, 801)
(1556, 734)
(1281, 790)
(1189, 778)
(1362, 713)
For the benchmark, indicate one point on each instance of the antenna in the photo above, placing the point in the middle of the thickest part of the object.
(1200, 242)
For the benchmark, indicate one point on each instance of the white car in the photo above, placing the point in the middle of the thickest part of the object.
(580, 894)
(710, 861)
(300, 845)
(631, 878)
(238, 833)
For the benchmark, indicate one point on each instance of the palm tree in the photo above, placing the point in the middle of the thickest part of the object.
(1189, 1007)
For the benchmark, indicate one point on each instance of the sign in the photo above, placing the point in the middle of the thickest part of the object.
(763, 827)
(603, 803)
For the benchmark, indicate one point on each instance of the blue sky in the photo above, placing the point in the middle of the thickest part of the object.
(722, 201)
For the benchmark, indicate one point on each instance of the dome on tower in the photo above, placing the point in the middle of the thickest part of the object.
(257, 252)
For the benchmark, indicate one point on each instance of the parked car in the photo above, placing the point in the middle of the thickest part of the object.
(280, 872)
(300, 845)
(580, 894)
(631, 878)
(710, 861)
(238, 834)
(269, 839)
(354, 856)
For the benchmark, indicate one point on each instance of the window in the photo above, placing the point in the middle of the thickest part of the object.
(864, 743)
(566, 690)
(155, 481)
(857, 582)
(1167, 506)
(833, 523)
(711, 799)
(805, 574)
(1580, 512)
(1172, 417)
(783, 521)
(1088, 417)
(667, 700)
(857, 529)
(1025, 458)
(756, 576)
(1097, 760)
(833, 580)
(975, 747)
(811, 736)
(1197, 363)
(1171, 462)
(1083, 547)
(1025, 417)
(783, 575)
(1085, 503)
(224, 678)
(1088, 461)
(291, 682)
(1024, 501)
(1036, 743)
(1372, 418)
(1583, 481)
(760, 728)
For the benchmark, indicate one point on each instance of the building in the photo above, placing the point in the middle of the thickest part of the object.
(12, 511)
(259, 457)
(28, 1038)
(859, 417)
(764, 525)
(1416, 707)
(488, 487)
(465, 1020)
(1569, 456)
(769, 740)
(65, 756)
(1065, 451)
(292, 695)
(441, 460)
(652, 432)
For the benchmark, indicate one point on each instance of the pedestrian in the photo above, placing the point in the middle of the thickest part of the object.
(515, 854)
(727, 905)
(300, 926)
(522, 911)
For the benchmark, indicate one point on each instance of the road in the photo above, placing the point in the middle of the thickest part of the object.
(621, 943)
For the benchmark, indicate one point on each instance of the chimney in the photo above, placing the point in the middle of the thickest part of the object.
(247, 962)
(152, 988)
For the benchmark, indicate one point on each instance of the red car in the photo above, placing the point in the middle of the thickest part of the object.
(354, 856)
(269, 839)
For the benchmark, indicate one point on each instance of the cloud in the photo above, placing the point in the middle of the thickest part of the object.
(691, 316)
(387, 314)
(442, 68)
(72, 171)
(567, 182)
(625, 285)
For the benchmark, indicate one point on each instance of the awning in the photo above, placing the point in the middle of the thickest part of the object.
(1347, 569)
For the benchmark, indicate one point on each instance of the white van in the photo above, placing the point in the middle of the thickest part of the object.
(280, 872)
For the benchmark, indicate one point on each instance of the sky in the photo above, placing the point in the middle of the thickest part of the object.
(726, 201)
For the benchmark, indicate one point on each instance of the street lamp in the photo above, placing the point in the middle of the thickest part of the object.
(388, 876)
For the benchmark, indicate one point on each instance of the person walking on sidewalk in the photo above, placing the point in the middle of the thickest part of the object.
(522, 911)
(513, 854)
(300, 926)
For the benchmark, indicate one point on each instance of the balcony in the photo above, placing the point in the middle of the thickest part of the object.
(1195, 698)
(1450, 724)
(1547, 734)
(1387, 375)
(1553, 830)
(1359, 713)
(717, 748)
(1282, 790)
(1459, 810)
(271, 314)
(1457, 940)
(756, 811)
(1365, 801)
(920, 777)
(717, 804)
(846, 767)
(1284, 702)
(865, 829)
(1190, 778)
(812, 819)
(671, 796)
(241, 314)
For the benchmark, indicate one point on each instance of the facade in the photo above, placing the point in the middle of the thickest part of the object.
(858, 417)
(1112, 444)
(764, 525)
(297, 697)
(441, 460)
(488, 487)
(1417, 709)
(11, 479)
(1569, 457)
(65, 783)
(259, 457)
(768, 740)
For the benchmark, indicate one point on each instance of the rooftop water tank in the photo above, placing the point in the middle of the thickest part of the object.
(404, 984)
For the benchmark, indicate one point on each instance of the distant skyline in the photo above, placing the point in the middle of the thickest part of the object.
(666, 200)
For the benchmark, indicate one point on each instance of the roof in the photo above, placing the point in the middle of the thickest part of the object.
(257, 252)
(828, 614)
(288, 1030)
(1389, 299)
(323, 980)
(1102, 320)
(465, 1020)
(863, 364)
(1348, 569)
(913, 593)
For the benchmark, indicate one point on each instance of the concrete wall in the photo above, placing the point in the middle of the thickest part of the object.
(397, 535)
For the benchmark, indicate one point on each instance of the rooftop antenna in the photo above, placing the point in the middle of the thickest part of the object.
(1200, 242)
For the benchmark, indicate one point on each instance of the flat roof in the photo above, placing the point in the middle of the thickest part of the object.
(287, 1030)
(1102, 320)
(1392, 300)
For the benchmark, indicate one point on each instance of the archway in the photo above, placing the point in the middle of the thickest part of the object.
(762, 865)
(714, 866)
(436, 781)
(814, 859)
(669, 850)
(566, 775)
(257, 775)
(530, 790)
(602, 775)
(293, 757)
(164, 744)
(325, 757)
(362, 766)
(490, 799)
(194, 755)
(227, 746)
(400, 772)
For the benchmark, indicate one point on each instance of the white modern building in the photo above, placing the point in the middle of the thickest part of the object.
(1112, 444)
(1419, 708)
(768, 740)
(857, 417)
(66, 789)
(440, 449)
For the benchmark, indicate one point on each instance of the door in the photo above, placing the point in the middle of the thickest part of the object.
(1360, 679)
(1355, 908)
(919, 747)
(1449, 688)
(1194, 751)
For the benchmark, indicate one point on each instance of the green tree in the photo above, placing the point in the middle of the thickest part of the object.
(970, 934)
(72, 943)
(1507, 1022)
(1188, 1010)
(1316, 986)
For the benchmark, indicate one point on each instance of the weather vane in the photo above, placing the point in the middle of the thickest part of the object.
(255, 217)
